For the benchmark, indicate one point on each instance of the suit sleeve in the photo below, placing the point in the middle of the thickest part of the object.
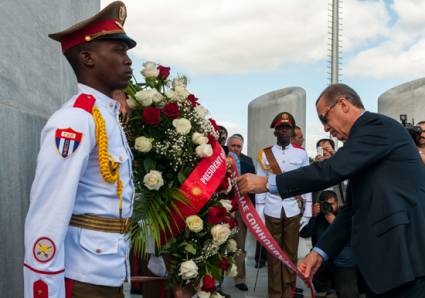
(367, 144)
(60, 163)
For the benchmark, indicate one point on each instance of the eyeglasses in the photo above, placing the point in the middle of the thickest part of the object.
(324, 117)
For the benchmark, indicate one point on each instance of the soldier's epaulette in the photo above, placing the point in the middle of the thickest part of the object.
(260, 159)
(297, 146)
(85, 102)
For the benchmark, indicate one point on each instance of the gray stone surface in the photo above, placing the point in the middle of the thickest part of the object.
(35, 80)
(263, 109)
(407, 98)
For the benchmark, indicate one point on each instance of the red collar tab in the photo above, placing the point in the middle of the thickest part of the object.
(85, 102)
(90, 32)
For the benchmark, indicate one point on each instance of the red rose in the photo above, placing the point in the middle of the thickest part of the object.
(214, 124)
(171, 110)
(208, 283)
(234, 204)
(164, 72)
(230, 221)
(224, 264)
(216, 214)
(224, 185)
(193, 100)
(151, 116)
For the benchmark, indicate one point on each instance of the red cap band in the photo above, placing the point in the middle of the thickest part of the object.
(90, 32)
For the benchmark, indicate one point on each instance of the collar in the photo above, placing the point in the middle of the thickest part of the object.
(101, 99)
(289, 146)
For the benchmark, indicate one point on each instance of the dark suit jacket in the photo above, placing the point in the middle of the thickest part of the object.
(385, 212)
(247, 166)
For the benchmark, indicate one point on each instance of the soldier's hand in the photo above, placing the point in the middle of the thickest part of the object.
(250, 183)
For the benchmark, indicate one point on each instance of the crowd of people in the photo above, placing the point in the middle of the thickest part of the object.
(362, 206)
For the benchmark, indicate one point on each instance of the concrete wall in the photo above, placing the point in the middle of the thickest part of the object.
(35, 80)
(407, 98)
(263, 109)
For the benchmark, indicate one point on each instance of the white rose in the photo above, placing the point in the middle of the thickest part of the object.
(182, 126)
(150, 70)
(153, 180)
(171, 94)
(200, 111)
(232, 271)
(199, 138)
(132, 104)
(232, 246)
(188, 270)
(226, 204)
(202, 294)
(220, 233)
(195, 223)
(179, 83)
(181, 92)
(204, 150)
(216, 295)
(144, 98)
(156, 96)
(143, 144)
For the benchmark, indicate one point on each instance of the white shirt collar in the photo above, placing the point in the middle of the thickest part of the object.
(289, 146)
(101, 98)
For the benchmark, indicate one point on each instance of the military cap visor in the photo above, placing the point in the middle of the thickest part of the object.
(106, 24)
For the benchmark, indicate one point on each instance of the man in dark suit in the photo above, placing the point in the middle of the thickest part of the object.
(384, 217)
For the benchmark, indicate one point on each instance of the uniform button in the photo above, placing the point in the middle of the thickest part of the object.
(98, 251)
(111, 104)
(121, 158)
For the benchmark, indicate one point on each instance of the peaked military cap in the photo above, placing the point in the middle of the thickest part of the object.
(106, 24)
(283, 118)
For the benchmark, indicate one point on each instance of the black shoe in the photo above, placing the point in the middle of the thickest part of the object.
(243, 287)
(262, 264)
(223, 294)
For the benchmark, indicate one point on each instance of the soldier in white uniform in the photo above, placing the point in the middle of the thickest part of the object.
(81, 198)
(282, 217)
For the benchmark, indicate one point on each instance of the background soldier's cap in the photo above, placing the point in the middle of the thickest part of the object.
(106, 24)
(283, 118)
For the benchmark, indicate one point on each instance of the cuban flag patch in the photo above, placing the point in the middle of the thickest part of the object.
(67, 141)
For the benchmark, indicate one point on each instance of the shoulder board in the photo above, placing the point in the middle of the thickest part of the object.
(85, 102)
(260, 159)
(297, 146)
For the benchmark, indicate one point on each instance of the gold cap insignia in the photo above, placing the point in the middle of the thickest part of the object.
(122, 14)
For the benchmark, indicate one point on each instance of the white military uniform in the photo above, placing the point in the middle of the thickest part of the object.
(68, 181)
(288, 158)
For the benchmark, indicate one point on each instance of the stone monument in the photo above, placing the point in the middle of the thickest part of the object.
(35, 79)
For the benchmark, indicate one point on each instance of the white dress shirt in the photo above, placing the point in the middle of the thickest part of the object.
(74, 185)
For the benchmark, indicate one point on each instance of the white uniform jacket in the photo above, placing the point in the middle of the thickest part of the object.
(288, 158)
(67, 181)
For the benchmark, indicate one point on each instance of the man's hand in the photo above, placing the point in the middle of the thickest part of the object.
(330, 217)
(319, 158)
(316, 209)
(310, 264)
(250, 183)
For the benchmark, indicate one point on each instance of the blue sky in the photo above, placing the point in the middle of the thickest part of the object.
(236, 50)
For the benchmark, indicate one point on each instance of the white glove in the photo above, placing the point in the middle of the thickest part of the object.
(157, 266)
(260, 211)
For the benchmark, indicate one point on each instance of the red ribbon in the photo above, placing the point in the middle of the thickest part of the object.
(198, 188)
(260, 232)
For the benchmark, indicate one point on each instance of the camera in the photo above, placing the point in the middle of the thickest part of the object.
(325, 208)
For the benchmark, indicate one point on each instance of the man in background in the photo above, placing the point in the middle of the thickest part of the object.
(420, 141)
(298, 138)
(235, 145)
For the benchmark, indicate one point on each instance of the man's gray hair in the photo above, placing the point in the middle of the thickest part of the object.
(235, 136)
